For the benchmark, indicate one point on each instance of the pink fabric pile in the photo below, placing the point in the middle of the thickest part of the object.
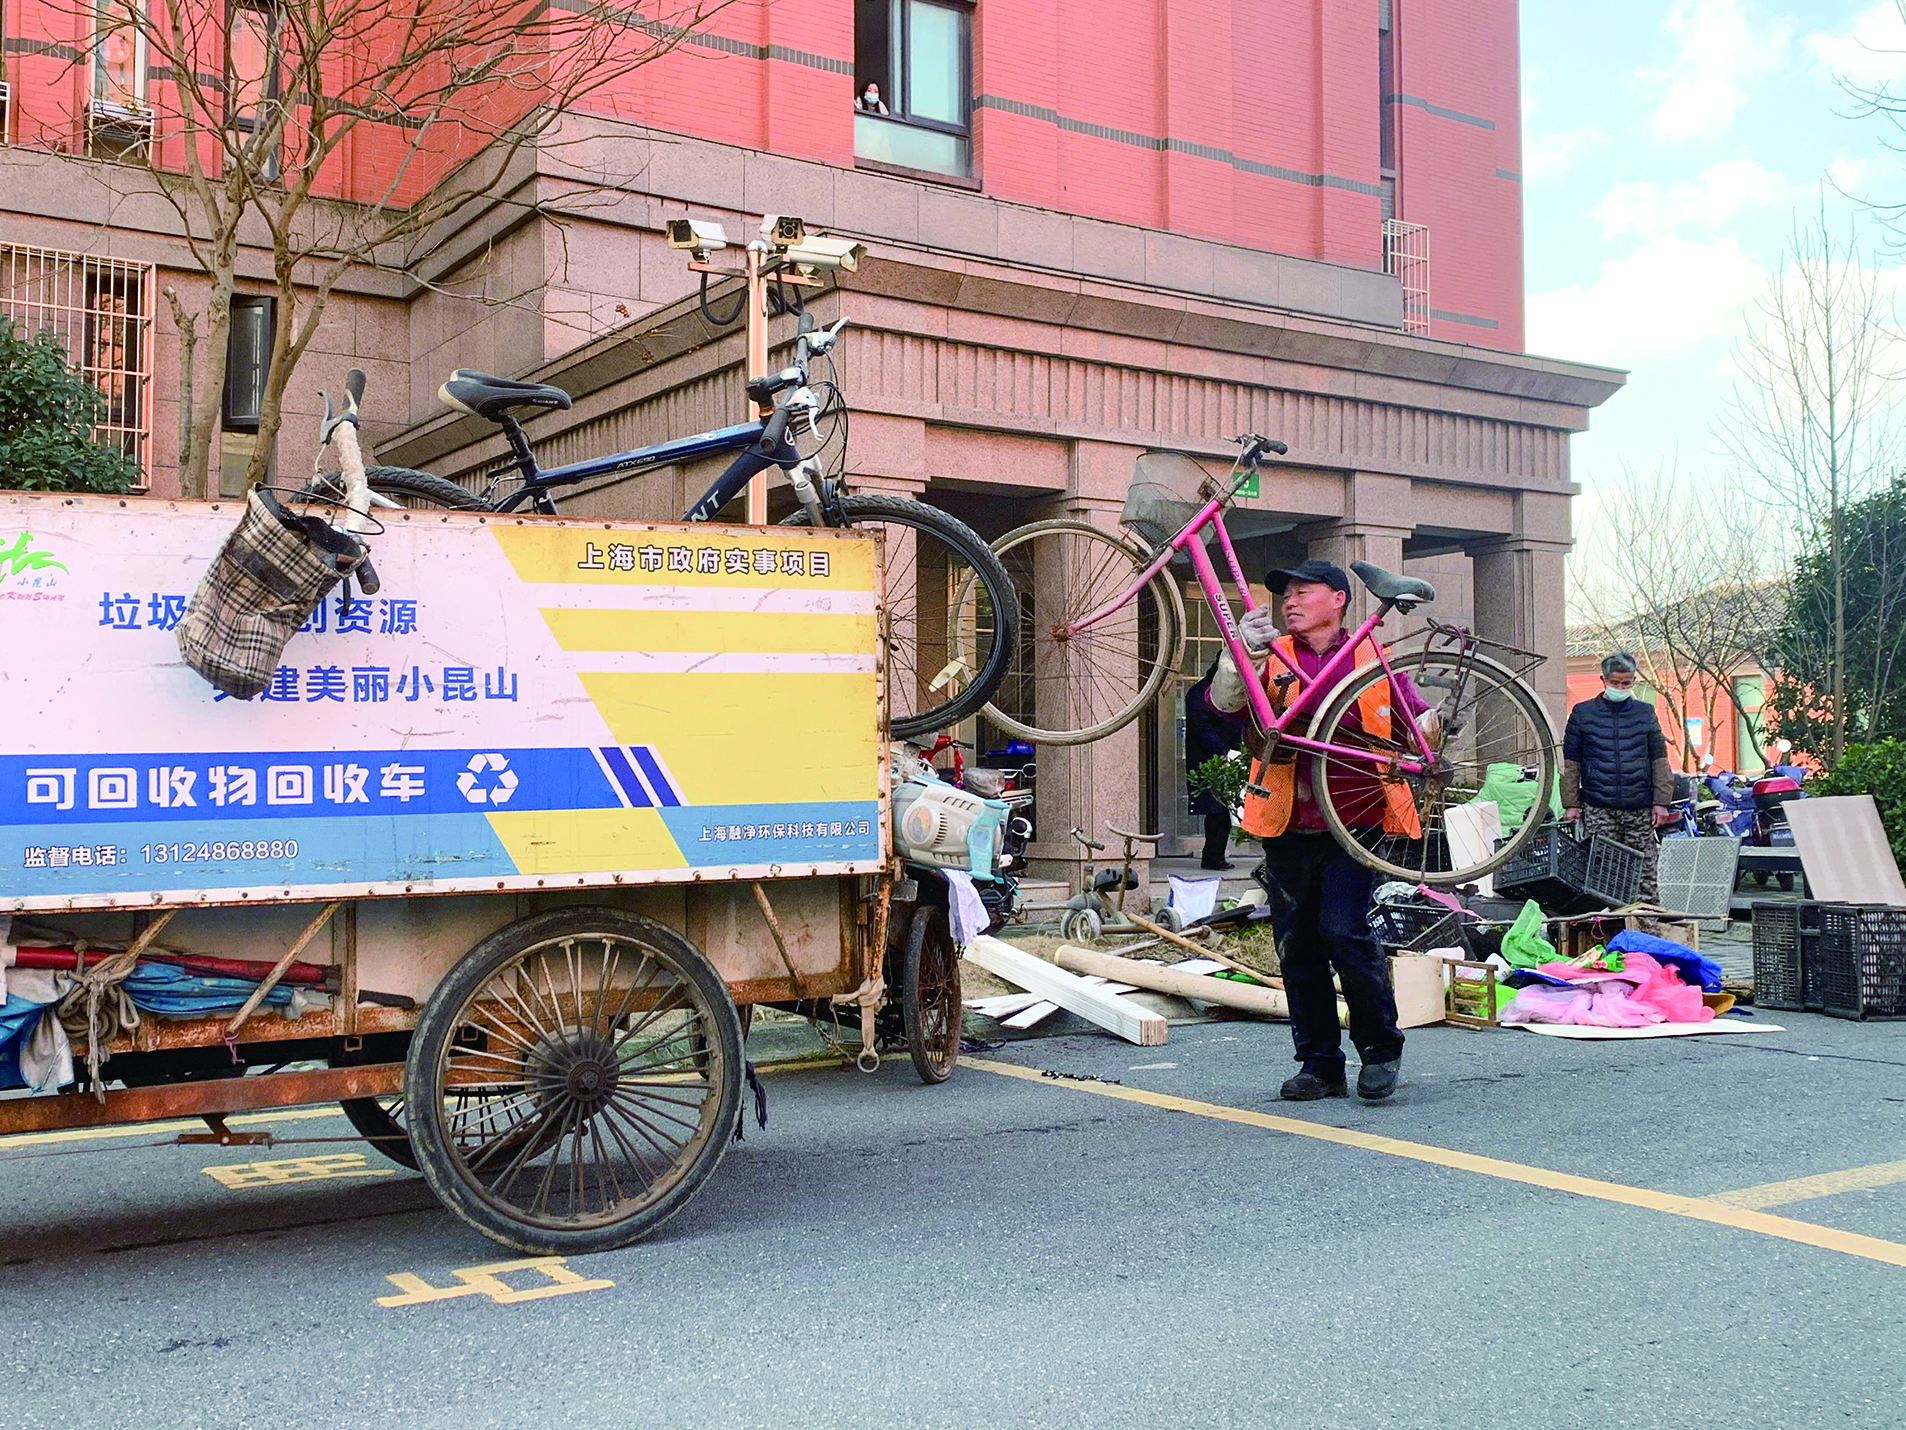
(1643, 992)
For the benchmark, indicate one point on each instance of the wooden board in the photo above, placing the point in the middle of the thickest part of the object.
(1072, 993)
(1252, 999)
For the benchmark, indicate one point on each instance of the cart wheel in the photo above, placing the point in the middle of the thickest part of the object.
(380, 1120)
(1786, 883)
(930, 996)
(574, 1081)
(1081, 926)
(1171, 920)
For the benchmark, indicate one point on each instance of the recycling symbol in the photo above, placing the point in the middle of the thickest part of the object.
(488, 779)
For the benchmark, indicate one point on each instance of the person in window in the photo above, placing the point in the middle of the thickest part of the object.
(1615, 774)
(1210, 732)
(870, 101)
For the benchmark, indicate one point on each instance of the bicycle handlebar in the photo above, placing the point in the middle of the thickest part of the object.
(1255, 446)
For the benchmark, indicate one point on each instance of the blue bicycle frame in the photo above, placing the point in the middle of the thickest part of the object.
(759, 445)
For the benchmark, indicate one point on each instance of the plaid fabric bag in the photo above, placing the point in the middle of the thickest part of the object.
(264, 583)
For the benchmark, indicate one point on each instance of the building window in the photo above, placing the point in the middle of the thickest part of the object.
(920, 54)
(119, 124)
(119, 56)
(248, 360)
(251, 71)
(101, 311)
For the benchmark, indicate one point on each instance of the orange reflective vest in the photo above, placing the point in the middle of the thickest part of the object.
(1268, 814)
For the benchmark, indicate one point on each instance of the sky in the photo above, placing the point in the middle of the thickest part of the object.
(1667, 145)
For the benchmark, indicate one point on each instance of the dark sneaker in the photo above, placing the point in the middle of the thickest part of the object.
(1378, 1080)
(1223, 865)
(1308, 1087)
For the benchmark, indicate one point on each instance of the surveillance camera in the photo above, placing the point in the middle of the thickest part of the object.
(697, 235)
(819, 251)
(783, 230)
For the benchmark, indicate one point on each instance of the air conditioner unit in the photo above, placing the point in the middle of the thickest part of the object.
(119, 127)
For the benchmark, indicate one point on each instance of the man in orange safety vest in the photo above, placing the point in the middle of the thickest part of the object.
(1320, 895)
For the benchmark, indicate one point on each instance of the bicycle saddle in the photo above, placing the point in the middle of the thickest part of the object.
(484, 396)
(1387, 586)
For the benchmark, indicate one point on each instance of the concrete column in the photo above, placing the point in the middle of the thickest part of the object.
(1373, 528)
(1089, 786)
(1346, 541)
(1519, 601)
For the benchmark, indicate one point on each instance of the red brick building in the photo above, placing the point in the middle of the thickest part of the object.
(1092, 229)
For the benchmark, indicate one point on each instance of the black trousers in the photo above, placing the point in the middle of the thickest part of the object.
(1217, 837)
(1320, 911)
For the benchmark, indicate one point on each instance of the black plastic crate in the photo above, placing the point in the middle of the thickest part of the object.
(1552, 869)
(1417, 927)
(1614, 871)
(1861, 970)
(1787, 955)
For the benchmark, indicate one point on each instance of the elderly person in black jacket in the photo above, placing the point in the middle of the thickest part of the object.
(1615, 774)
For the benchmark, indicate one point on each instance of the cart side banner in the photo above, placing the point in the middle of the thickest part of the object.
(520, 699)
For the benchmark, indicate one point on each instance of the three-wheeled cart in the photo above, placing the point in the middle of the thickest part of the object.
(495, 862)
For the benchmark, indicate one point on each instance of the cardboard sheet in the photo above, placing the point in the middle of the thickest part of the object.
(1653, 1030)
(1845, 851)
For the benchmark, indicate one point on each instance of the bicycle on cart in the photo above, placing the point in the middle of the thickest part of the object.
(928, 554)
(1107, 628)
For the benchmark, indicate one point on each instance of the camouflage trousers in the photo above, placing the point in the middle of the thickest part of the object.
(1636, 829)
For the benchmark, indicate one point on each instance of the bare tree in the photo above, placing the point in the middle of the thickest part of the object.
(1811, 424)
(1677, 579)
(440, 102)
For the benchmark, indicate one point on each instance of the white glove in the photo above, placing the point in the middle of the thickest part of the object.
(1258, 630)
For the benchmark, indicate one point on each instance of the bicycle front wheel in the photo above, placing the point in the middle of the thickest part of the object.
(408, 488)
(939, 670)
(1481, 717)
(1068, 686)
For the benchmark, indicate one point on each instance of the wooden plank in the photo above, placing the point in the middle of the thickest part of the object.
(1253, 999)
(1074, 994)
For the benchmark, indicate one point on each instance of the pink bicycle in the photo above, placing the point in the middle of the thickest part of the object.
(1103, 628)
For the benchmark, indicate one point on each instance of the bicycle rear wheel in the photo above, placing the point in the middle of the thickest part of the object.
(1070, 687)
(939, 670)
(408, 488)
(1483, 716)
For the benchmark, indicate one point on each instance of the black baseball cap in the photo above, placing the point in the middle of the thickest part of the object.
(1327, 572)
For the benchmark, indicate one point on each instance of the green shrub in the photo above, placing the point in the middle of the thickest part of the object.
(47, 416)
(1878, 770)
(1221, 776)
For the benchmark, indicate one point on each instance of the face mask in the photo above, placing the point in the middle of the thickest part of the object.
(873, 96)
(1610, 693)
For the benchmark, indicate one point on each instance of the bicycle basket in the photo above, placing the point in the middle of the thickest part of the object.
(1163, 497)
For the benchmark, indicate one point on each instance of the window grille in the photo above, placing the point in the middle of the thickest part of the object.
(101, 311)
(1406, 257)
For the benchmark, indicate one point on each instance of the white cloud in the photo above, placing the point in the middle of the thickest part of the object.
(1716, 195)
(1718, 51)
(1848, 174)
(1869, 52)
(1534, 78)
(1667, 296)
(1550, 156)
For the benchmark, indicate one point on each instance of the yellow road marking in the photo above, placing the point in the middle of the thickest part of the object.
(148, 1129)
(242, 1176)
(487, 1280)
(1803, 1189)
(1695, 1208)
